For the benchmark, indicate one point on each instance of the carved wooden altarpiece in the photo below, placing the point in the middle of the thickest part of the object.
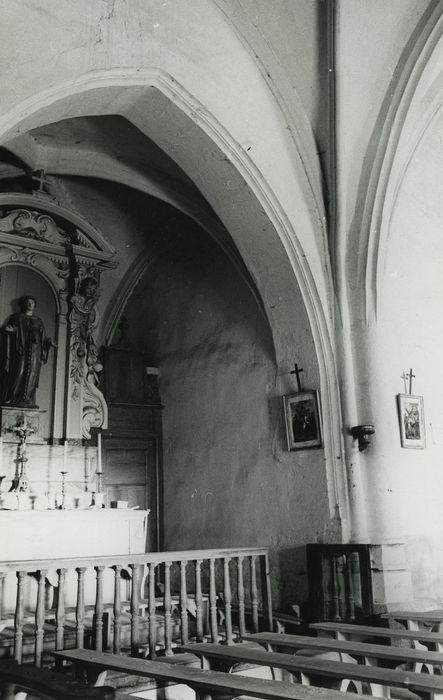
(71, 256)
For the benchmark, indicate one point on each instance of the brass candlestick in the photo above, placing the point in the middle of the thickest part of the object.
(63, 504)
(99, 475)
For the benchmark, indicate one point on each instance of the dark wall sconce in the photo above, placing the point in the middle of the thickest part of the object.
(363, 433)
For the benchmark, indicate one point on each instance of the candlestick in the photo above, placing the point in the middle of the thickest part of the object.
(1, 454)
(65, 456)
(99, 453)
(63, 503)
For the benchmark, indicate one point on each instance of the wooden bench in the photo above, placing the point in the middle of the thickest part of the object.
(350, 631)
(205, 683)
(22, 678)
(369, 652)
(415, 618)
(379, 679)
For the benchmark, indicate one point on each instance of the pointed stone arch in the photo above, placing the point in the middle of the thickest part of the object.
(293, 287)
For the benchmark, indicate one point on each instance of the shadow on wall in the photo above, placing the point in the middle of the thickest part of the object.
(294, 585)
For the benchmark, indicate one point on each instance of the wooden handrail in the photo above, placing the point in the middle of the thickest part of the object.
(146, 558)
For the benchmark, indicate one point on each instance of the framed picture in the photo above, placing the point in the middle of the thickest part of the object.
(303, 420)
(412, 421)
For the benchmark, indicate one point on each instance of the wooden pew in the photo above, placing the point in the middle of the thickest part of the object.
(379, 679)
(23, 678)
(371, 653)
(414, 618)
(205, 683)
(350, 631)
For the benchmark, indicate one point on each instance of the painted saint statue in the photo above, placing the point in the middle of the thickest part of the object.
(25, 347)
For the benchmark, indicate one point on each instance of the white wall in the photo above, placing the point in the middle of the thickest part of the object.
(406, 485)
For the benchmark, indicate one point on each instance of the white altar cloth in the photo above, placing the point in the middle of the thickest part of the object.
(50, 534)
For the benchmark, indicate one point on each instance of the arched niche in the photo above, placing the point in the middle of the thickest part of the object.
(50, 253)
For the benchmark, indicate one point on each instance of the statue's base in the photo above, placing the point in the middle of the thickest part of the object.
(14, 416)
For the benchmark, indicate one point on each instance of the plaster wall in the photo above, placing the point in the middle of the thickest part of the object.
(405, 485)
(370, 38)
(289, 37)
(228, 479)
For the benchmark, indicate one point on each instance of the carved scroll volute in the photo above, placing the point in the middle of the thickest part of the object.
(85, 362)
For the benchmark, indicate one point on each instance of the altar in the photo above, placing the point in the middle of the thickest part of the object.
(51, 534)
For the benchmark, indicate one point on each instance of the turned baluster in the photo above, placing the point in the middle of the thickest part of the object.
(40, 618)
(213, 601)
(183, 603)
(325, 586)
(254, 594)
(19, 616)
(135, 608)
(228, 600)
(117, 610)
(350, 587)
(241, 599)
(198, 601)
(60, 610)
(335, 587)
(98, 610)
(167, 606)
(80, 607)
(152, 616)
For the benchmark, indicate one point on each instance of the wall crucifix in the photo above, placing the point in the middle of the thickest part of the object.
(297, 371)
(408, 376)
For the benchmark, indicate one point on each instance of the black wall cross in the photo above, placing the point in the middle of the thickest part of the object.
(297, 371)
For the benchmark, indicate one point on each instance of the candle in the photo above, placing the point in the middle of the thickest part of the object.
(65, 456)
(99, 453)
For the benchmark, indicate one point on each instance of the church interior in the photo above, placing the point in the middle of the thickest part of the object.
(219, 345)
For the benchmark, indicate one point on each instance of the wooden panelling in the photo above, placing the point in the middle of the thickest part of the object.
(126, 419)
(131, 474)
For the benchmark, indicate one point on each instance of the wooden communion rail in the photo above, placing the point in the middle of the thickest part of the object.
(150, 601)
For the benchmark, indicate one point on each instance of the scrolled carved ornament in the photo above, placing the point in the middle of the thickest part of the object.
(85, 362)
